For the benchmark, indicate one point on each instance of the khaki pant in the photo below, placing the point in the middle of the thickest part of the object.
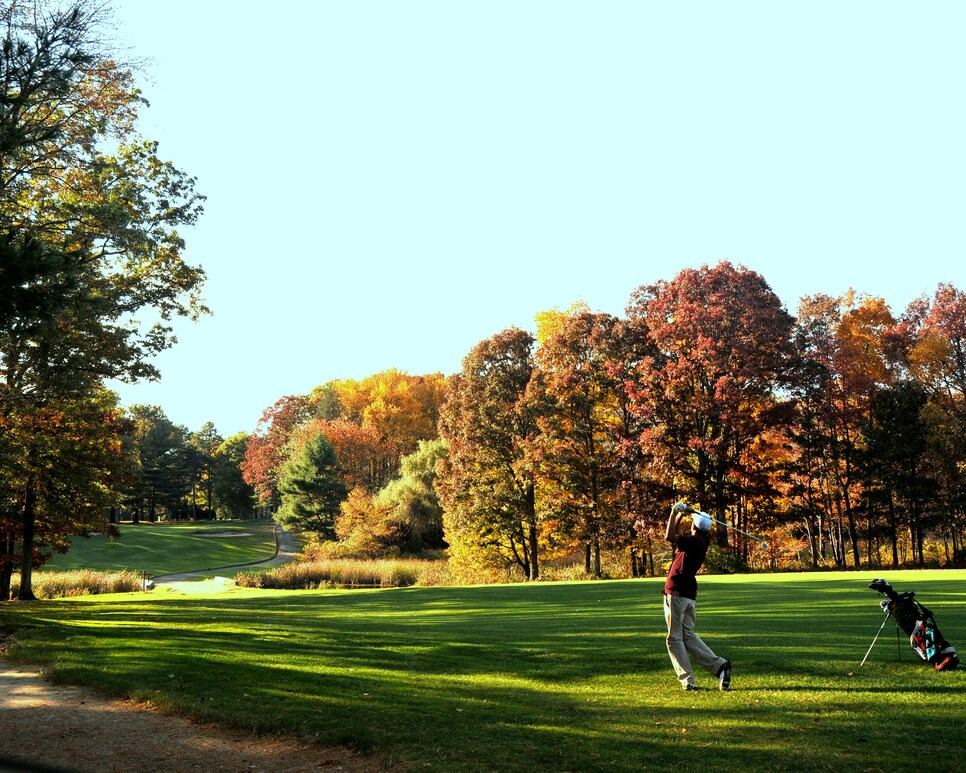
(683, 643)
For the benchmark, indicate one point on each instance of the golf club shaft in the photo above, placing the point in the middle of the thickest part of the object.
(729, 526)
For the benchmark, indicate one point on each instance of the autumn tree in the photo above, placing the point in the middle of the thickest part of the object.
(936, 345)
(844, 343)
(57, 466)
(267, 446)
(722, 352)
(933, 350)
(89, 219)
(366, 457)
(487, 483)
(581, 419)
(362, 529)
(403, 409)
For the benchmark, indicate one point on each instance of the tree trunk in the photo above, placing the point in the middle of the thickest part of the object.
(7, 548)
(532, 534)
(853, 534)
(838, 546)
(920, 537)
(811, 529)
(26, 592)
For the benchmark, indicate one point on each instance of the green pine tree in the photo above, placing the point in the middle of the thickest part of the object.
(312, 489)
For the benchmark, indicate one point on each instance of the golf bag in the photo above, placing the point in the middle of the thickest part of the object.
(920, 626)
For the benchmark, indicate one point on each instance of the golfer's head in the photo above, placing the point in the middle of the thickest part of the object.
(700, 523)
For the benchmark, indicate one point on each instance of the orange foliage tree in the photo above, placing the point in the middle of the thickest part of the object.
(403, 409)
(487, 483)
(722, 351)
(581, 415)
(266, 451)
(844, 346)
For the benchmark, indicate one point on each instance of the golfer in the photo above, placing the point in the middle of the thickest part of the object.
(680, 592)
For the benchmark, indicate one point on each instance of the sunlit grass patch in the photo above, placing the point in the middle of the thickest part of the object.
(167, 548)
(541, 677)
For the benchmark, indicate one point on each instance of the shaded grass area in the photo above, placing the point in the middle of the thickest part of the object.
(540, 677)
(166, 548)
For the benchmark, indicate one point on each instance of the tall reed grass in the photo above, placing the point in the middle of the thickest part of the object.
(348, 573)
(81, 582)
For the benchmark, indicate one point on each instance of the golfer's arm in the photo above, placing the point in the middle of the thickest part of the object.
(671, 532)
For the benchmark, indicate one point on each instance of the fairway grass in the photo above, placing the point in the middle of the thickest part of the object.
(167, 548)
(537, 677)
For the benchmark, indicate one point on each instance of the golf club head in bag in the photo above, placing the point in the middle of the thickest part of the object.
(919, 625)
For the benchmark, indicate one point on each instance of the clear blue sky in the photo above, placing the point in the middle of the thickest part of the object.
(391, 182)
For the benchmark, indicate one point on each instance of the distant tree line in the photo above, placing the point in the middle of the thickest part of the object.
(836, 434)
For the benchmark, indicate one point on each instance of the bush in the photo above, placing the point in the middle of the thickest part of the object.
(81, 582)
(725, 560)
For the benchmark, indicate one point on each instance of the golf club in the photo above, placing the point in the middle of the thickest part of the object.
(681, 507)
(733, 528)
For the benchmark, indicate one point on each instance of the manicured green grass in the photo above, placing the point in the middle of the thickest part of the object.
(540, 677)
(165, 548)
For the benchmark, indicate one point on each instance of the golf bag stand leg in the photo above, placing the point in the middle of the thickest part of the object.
(884, 621)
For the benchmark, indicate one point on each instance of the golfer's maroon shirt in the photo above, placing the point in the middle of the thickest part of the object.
(681, 580)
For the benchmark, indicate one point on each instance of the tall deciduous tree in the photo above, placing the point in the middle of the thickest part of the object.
(366, 457)
(934, 332)
(403, 409)
(581, 424)
(57, 466)
(89, 219)
(267, 446)
(845, 344)
(487, 483)
(723, 344)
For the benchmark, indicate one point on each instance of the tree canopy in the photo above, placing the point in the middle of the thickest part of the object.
(93, 270)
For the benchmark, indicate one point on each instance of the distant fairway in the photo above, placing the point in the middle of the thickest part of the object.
(538, 677)
(165, 548)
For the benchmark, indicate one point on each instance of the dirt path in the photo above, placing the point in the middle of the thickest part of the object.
(70, 729)
(57, 728)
